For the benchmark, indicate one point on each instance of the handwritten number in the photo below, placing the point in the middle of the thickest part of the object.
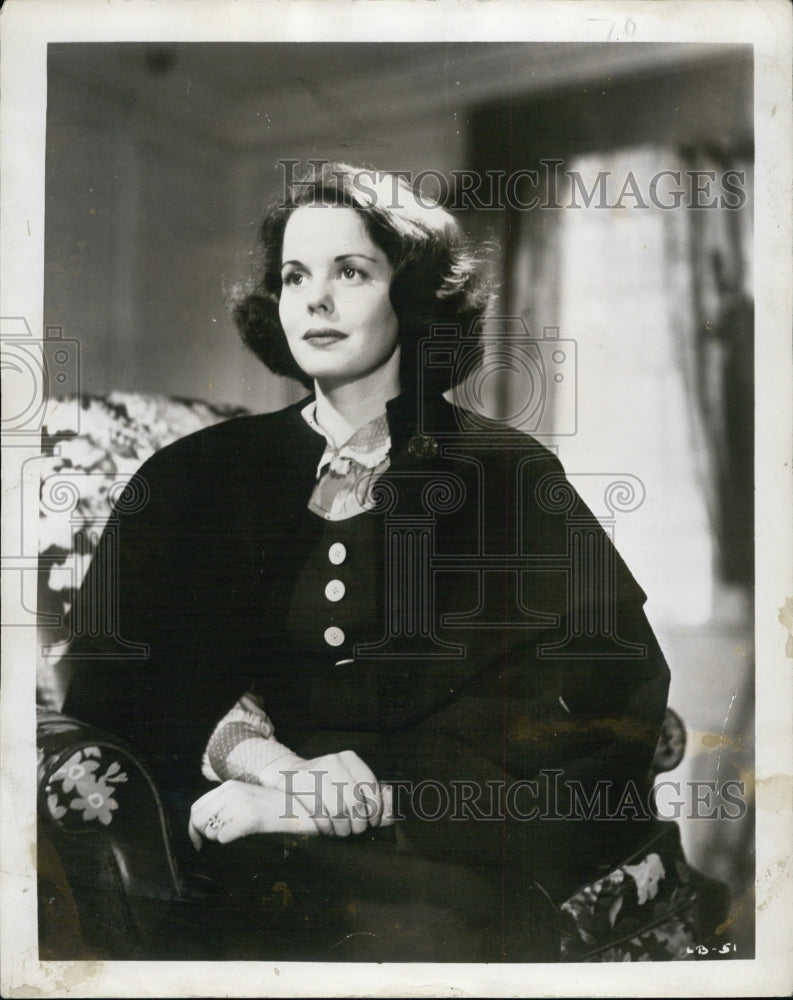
(701, 949)
(628, 28)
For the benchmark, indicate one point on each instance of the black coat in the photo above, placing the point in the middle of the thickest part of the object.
(506, 658)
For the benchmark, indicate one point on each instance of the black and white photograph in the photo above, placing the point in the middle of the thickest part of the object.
(396, 523)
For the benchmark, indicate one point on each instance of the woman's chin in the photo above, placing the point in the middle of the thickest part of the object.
(321, 365)
(330, 376)
(333, 382)
(327, 374)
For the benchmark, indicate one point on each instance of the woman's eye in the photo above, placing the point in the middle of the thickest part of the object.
(293, 278)
(350, 273)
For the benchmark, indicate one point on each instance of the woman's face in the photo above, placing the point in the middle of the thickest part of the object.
(334, 306)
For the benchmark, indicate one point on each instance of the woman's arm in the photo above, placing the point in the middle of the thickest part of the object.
(162, 578)
(338, 791)
(239, 809)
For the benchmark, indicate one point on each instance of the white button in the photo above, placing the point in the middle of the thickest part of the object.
(335, 590)
(334, 636)
(337, 553)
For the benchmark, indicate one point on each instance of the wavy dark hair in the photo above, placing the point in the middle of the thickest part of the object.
(437, 279)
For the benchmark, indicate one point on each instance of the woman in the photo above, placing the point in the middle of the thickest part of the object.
(363, 615)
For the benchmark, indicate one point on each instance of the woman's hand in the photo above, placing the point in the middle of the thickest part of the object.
(339, 792)
(237, 809)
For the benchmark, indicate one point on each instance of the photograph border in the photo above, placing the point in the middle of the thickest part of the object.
(26, 28)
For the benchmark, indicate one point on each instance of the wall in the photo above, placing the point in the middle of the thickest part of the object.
(155, 188)
(160, 160)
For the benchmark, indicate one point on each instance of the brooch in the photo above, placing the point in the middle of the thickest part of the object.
(423, 446)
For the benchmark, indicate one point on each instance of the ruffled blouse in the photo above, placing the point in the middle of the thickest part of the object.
(346, 475)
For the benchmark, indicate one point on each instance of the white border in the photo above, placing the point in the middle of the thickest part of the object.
(26, 26)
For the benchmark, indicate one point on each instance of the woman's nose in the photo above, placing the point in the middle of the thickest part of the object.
(320, 300)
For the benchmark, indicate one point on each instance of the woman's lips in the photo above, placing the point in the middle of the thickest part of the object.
(325, 337)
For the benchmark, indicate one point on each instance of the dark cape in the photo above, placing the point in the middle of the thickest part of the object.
(496, 665)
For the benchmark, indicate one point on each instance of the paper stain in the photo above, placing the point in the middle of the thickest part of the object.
(775, 793)
(66, 977)
(770, 882)
(735, 749)
(786, 620)
(723, 741)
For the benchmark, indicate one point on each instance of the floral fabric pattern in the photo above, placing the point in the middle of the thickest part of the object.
(91, 447)
(640, 912)
(98, 441)
(83, 789)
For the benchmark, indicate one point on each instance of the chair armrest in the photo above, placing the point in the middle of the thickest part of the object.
(671, 745)
(101, 815)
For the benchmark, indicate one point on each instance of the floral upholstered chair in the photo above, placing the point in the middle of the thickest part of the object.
(106, 873)
(91, 448)
(108, 882)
